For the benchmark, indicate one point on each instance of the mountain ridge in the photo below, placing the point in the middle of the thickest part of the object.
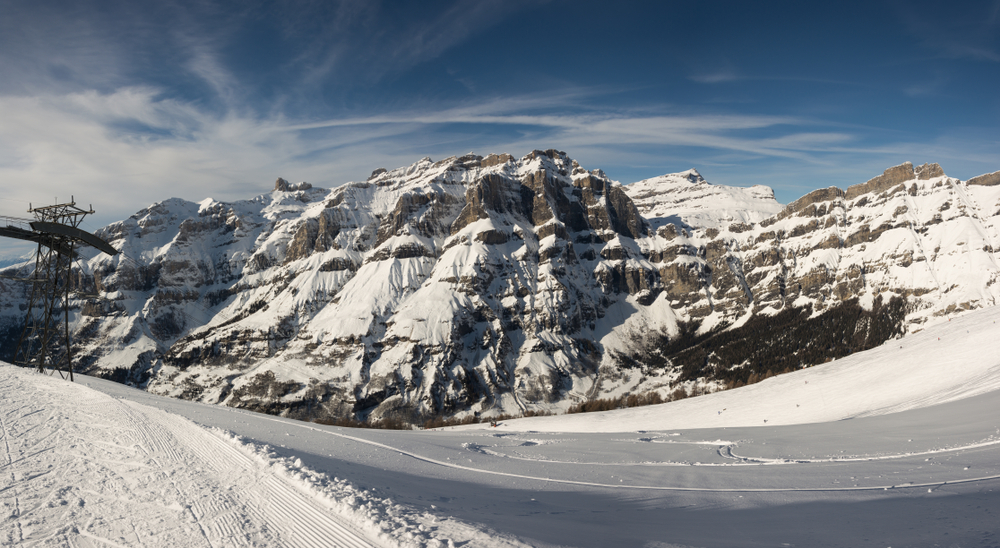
(495, 284)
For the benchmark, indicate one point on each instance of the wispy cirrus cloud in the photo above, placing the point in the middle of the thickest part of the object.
(355, 39)
(547, 119)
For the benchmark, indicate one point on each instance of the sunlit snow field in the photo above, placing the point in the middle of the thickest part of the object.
(898, 446)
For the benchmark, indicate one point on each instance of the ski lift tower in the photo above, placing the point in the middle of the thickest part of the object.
(57, 233)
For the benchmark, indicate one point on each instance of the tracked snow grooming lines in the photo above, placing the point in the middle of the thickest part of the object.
(56, 231)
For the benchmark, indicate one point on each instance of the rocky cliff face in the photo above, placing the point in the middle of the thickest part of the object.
(914, 233)
(502, 285)
(880, 259)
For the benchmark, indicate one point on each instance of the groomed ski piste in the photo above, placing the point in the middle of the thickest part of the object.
(897, 446)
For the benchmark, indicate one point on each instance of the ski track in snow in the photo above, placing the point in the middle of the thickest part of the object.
(725, 450)
(101, 471)
(271, 499)
(748, 461)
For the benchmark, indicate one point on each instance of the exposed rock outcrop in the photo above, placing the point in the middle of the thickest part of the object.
(284, 186)
(814, 197)
(989, 179)
(890, 178)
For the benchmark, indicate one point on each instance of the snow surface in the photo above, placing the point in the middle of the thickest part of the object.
(918, 464)
(84, 468)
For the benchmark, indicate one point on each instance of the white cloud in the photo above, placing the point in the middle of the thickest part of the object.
(124, 150)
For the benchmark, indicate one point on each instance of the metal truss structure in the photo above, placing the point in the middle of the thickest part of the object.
(43, 344)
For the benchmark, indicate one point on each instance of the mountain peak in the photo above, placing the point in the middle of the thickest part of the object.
(928, 171)
(988, 179)
(692, 176)
(893, 176)
(284, 186)
(686, 199)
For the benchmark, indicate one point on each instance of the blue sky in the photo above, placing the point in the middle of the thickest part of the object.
(125, 103)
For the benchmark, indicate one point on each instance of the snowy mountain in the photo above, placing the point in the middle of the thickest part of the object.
(500, 285)
(10, 260)
(686, 199)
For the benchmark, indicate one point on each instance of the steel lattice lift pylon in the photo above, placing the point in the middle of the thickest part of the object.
(56, 230)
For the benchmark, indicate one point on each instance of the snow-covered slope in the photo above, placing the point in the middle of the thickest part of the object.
(950, 361)
(82, 468)
(497, 285)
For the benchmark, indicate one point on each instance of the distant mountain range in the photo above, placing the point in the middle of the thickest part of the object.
(504, 285)
(9, 260)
